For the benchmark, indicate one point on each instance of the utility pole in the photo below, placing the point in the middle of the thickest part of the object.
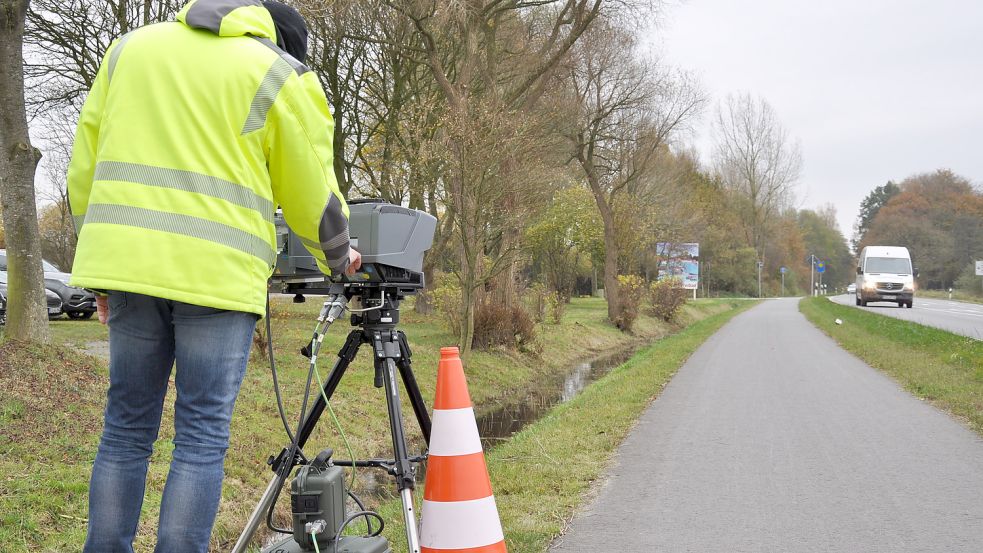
(812, 274)
(760, 264)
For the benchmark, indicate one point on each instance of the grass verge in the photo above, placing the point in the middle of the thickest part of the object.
(956, 296)
(542, 474)
(933, 364)
(51, 401)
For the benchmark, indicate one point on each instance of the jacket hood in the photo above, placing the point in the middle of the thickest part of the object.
(229, 17)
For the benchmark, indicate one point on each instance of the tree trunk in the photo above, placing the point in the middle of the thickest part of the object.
(338, 144)
(506, 292)
(611, 291)
(466, 331)
(27, 319)
(604, 203)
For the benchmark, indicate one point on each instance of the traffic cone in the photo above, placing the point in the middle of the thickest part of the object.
(459, 511)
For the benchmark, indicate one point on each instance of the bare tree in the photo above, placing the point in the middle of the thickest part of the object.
(657, 209)
(58, 238)
(343, 65)
(628, 107)
(756, 157)
(66, 39)
(26, 317)
(492, 62)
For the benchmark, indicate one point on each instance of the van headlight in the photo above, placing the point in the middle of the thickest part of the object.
(909, 284)
(869, 284)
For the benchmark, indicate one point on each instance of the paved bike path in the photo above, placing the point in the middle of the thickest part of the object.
(771, 439)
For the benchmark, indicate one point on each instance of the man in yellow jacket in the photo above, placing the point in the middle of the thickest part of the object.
(192, 135)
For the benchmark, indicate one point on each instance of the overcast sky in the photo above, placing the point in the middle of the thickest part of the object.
(874, 90)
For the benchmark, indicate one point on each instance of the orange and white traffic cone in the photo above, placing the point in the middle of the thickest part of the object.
(459, 512)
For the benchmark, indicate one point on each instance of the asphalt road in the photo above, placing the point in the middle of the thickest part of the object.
(954, 316)
(773, 439)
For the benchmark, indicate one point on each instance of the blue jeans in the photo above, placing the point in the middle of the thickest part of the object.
(147, 336)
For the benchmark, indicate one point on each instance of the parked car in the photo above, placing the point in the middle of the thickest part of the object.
(54, 304)
(76, 302)
(851, 288)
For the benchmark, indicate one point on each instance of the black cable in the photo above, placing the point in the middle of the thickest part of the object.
(361, 507)
(269, 513)
(294, 444)
(276, 383)
(353, 516)
(283, 418)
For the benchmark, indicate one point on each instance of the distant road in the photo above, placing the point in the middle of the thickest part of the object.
(772, 439)
(954, 316)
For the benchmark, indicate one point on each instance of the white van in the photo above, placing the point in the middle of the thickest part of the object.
(884, 273)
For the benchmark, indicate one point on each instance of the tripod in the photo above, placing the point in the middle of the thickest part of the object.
(375, 325)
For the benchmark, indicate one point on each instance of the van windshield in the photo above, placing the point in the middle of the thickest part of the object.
(895, 265)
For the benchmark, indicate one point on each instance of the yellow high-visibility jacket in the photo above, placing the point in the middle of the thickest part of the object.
(194, 132)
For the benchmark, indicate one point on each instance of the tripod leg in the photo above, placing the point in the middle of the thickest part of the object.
(257, 516)
(412, 389)
(345, 357)
(405, 480)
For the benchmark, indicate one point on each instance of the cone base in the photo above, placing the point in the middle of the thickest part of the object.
(493, 548)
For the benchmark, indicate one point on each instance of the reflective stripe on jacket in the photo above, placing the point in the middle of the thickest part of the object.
(192, 135)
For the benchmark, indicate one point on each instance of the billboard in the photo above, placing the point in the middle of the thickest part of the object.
(680, 261)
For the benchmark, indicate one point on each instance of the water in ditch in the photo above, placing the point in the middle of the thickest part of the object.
(499, 421)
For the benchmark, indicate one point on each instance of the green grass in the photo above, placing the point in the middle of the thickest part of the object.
(933, 364)
(957, 295)
(543, 474)
(51, 402)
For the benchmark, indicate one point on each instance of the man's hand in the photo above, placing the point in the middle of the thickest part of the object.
(102, 308)
(354, 262)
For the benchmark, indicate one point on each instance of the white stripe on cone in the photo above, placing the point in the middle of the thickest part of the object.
(458, 433)
(460, 524)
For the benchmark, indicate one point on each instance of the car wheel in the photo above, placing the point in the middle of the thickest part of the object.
(857, 300)
(901, 304)
(863, 303)
(80, 315)
(910, 302)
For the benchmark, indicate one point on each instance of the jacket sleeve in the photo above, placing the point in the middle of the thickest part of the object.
(300, 157)
(82, 166)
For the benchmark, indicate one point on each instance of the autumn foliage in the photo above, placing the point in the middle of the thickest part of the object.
(939, 218)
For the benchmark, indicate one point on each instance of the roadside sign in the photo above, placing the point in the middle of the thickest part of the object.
(979, 268)
(761, 264)
(821, 267)
(783, 270)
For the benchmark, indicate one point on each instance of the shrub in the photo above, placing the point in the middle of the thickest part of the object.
(536, 299)
(545, 306)
(631, 290)
(666, 298)
(497, 325)
(968, 282)
(557, 304)
(445, 298)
